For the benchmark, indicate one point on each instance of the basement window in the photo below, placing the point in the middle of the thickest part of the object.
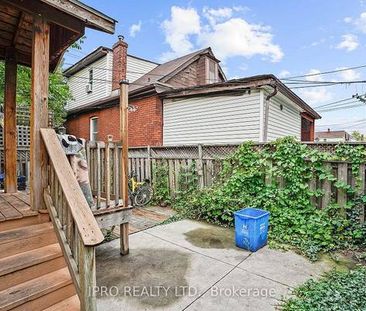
(94, 129)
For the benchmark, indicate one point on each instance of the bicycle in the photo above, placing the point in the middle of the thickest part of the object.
(140, 193)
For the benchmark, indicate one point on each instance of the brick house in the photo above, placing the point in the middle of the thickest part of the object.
(184, 101)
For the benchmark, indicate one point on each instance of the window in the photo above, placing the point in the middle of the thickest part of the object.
(94, 129)
(89, 86)
(212, 71)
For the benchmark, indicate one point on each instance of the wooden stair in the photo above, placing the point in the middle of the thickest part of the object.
(33, 271)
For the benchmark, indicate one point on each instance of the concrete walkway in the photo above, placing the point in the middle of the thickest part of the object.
(190, 265)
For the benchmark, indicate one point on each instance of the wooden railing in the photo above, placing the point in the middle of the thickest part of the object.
(104, 162)
(76, 228)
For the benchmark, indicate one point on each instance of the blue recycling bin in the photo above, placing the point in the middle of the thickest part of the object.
(251, 228)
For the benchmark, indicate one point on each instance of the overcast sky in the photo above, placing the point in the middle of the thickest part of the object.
(284, 37)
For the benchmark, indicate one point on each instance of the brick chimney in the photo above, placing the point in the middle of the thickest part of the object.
(119, 62)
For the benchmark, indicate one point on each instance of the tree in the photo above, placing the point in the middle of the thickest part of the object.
(356, 135)
(59, 91)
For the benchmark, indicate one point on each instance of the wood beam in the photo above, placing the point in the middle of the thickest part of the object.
(51, 14)
(10, 122)
(17, 32)
(39, 110)
(123, 108)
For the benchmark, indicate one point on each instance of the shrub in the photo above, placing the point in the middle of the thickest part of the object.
(286, 194)
(343, 291)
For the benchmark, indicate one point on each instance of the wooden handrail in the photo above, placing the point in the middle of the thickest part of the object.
(79, 208)
(75, 226)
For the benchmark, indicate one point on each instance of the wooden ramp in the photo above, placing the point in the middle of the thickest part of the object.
(33, 272)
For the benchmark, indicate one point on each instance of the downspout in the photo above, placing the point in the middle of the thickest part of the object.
(266, 111)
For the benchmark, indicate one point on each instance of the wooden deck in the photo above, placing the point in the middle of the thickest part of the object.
(15, 206)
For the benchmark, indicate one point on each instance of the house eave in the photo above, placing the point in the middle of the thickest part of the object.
(86, 61)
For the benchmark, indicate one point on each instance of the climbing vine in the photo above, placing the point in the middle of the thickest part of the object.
(161, 184)
(277, 178)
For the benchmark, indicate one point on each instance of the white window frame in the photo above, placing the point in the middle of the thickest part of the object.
(215, 78)
(92, 131)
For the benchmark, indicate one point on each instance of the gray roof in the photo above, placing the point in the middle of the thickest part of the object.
(163, 72)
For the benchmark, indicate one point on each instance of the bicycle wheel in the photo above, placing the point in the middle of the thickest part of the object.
(143, 195)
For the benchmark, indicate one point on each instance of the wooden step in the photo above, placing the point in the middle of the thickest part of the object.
(26, 238)
(25, 266)
(44, 291)
(69, 304)
(24, 221)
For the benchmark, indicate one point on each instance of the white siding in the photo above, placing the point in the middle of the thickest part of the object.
(101, 83)
(136, 68)
(211, 120)
(102, 72)
(285, 122)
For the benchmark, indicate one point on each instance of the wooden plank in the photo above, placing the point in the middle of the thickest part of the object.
(98, 171)
(361, 191)
(116, 175)
(19, 205)
(326, 187)
(8, 211)
(312, 187)
(108, 220)
(269, 176)
(201, 181)
(123, 110)
(81, 213)
(341, 193)
(107, 171)
(148, 163)
(171, 177)
(39, 110)
(10, 122)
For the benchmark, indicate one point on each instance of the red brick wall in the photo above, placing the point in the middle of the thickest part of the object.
(119, 63)
(145, 125)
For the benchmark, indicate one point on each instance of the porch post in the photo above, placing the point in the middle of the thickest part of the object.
(123, 108)
(39, 110)
(10, 122)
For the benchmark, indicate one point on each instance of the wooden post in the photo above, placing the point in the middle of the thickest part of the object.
(123, 108)
(107, 170)
(87, 277)
(39, 109)
(10, 122)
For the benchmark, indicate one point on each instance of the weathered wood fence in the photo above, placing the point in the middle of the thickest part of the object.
(206, 163)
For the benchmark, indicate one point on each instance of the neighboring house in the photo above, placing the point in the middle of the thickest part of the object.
(187, 101)
(333, 136)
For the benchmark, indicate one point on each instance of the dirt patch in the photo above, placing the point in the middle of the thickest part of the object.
(214, 237)
(150, 277)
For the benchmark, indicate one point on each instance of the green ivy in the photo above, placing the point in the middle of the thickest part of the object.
(288, 166)
(343, 291)
(161, 184)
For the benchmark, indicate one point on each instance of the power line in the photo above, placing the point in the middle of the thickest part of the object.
(327, 72)
(333, 103)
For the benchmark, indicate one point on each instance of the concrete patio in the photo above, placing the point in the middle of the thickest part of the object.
(190, 265)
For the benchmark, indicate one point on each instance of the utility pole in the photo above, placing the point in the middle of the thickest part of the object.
(123, 110)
